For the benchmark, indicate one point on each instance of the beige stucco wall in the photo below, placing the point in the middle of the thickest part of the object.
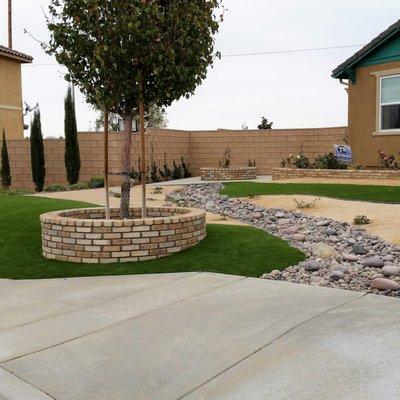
(363, 115)
(11, 98)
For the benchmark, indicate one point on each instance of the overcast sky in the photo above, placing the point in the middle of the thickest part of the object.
(293, 90)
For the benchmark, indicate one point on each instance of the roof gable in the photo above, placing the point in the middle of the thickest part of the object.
(384, 48)
(16, 55)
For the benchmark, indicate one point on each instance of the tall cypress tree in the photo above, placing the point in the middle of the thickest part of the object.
(37, 153)
(71, 156)
(5, 171)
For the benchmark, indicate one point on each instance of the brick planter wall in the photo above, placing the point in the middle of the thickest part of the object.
(84, 236)
(228, 174)
(292, 173)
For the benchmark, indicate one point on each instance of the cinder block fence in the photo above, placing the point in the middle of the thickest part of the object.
(198, 148)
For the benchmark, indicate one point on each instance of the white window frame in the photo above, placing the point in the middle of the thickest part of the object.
(385, 104)
(379, 75)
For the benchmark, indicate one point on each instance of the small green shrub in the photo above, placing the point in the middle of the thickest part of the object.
(157, 190)
(226, 159)
(79, 186)
(56, 188)
(96, 182)
(154, 172)
(329, 161)
(361, 220)
(165, 173)
(303, 204)
(301, 161)
(176, 171)
(185, 169)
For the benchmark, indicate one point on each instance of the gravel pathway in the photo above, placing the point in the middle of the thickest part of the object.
(339, 255)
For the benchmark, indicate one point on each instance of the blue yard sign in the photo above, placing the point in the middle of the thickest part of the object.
(343, 153)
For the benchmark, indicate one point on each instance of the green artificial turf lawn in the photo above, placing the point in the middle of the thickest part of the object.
(227, 249)
(379, 194)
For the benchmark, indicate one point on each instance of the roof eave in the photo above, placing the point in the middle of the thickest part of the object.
(350, 63)
(23, 60)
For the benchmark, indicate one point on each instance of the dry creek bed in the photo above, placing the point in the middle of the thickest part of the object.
(339, 255)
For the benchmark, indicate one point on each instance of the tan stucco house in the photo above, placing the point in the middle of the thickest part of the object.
(373, 78)
(11, 109)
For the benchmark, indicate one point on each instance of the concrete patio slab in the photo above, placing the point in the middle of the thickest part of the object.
(29, 338)
(23, 302)
(178, 343)
(349, 353)
(13, 388)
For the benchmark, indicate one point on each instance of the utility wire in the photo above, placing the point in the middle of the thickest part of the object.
(249, 54)
(289, 51)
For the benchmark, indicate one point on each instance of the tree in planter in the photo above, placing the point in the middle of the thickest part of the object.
(127, 54)
(71, 156)
(5, 170)
(37, 153)
(265, 124)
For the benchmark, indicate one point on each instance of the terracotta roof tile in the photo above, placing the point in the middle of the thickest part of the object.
(7, 52)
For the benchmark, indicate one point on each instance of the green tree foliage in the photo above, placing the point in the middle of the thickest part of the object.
(265, 124)
(37, 153)
(71, 156)
(110, 47)
(5, 171)
(156, 117)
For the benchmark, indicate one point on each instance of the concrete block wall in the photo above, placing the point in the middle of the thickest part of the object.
(267, 148)
(199, 148)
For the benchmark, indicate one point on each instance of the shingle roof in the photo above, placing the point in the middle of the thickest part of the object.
(7, 52)
(371, 46)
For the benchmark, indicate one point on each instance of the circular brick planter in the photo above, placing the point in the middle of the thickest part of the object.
(84, 236)
(228, 174)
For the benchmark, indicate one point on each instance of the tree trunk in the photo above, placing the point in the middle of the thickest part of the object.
(142, 143)
(106, 171)
(126, 167)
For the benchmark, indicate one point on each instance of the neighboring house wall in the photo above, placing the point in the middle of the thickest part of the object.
(364, 134)
(200, 149)
(11, 98)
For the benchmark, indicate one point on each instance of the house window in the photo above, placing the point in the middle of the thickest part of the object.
(390, 103)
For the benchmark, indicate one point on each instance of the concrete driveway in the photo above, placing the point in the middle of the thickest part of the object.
(195, 336)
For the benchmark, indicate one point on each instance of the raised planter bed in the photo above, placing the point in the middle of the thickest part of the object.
(85, 236)
(291, 173)
(228, 174)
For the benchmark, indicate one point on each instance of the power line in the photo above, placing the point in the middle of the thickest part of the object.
(252, 54)
(290, 51)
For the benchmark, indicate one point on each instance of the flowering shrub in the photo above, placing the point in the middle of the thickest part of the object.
(326, 161)
(299, 161)
(386, 161)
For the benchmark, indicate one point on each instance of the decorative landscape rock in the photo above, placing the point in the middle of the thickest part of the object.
(389, 270)
(312, 265)
(358, 249)
(354, 259)
(336, 275)
(385, 284)
(322, 250)
(374, 262)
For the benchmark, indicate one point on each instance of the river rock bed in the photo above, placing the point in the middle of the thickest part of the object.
(339, 255)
